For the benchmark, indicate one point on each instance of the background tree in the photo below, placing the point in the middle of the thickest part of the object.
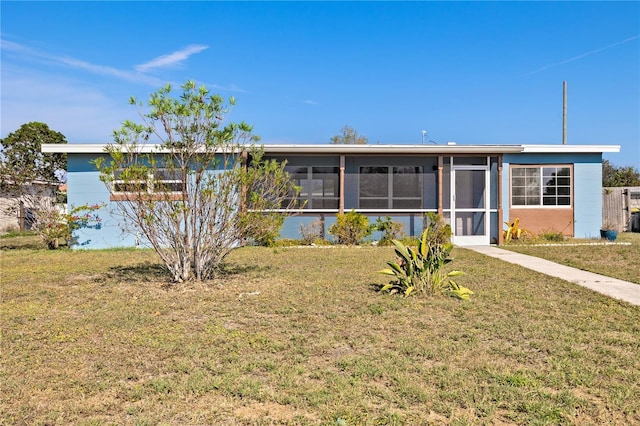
(31, 177)
(348, 136)
(22, 161)
(199, 193)
(619, 176)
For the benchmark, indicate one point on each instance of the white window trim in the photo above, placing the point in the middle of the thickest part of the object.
(541, 205)
(149, 184)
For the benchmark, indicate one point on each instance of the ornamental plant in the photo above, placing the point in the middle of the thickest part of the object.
(515, 232)
(421, 270)
(390, 230)
(350, 228)
(53, 224)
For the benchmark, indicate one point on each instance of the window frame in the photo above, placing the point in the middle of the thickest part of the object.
(541, 194)
(149, 186)
(390, 198)
(307, 199)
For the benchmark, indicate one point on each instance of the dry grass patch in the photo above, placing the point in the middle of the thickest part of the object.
(299, 336)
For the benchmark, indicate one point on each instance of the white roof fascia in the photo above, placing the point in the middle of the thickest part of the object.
(366, 149)
(86, 148)
(328, 149)
(566, 149)
(94, 148)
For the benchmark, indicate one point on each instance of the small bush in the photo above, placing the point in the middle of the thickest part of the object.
(390, 230)
(265, 229)
(438, 231)
(409, 241)
(312, 232)
(54, 225)
(350, 228)
(551, 235)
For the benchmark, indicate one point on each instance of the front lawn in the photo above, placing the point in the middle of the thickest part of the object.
(620, 261)
(300, 336)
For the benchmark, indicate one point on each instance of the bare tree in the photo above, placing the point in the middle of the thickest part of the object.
(200, 192)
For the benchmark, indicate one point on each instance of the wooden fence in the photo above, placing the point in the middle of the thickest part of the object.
(618, 204)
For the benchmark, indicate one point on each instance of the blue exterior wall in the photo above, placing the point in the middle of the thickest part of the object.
(588, 198)
(413, 224)
(587, 187)
(85, 187)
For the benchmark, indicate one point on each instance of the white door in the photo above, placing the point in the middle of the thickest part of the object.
(470, 205)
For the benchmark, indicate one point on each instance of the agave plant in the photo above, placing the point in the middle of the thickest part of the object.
(420, 271)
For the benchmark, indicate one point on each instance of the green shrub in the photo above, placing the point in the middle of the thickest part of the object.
(420, 271)
(438, 231)
(54, 225)
(390, 230)
(265, 229)
(350, 228)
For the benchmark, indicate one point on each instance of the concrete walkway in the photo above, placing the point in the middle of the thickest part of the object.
(618, 289)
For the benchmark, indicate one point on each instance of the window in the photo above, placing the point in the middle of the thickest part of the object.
(383, 187)
(319, 186)
(167, 181)
(134, 180)
(541, 186)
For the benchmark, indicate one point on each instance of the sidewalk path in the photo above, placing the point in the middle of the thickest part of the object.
(623, 290)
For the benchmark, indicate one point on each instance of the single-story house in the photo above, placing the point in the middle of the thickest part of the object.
(475, 187)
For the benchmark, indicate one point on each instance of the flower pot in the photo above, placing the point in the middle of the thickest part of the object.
(609, 234)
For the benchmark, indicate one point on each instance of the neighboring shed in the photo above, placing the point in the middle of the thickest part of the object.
(475, 187)
(17, 204)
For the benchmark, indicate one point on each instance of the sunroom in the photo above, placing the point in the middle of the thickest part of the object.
(476, 188)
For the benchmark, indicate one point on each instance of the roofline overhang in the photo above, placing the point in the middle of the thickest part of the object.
(328, 149)
(391, 149)
(563, 149)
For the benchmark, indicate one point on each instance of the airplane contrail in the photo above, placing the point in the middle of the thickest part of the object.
(575, 58)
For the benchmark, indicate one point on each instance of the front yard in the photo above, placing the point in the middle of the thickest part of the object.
(620, 261)
(300, 336)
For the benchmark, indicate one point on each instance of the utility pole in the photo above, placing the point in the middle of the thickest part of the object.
(564, 112)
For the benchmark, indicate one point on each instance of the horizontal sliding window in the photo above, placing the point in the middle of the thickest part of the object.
(541, 186)
(385, 187)
(319, 186)
(144, 180)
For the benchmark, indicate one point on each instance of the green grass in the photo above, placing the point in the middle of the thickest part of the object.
(300, 336)
(620, 261)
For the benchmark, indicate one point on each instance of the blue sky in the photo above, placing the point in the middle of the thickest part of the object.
(470, 72)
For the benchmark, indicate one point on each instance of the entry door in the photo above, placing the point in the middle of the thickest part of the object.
(470, 205)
